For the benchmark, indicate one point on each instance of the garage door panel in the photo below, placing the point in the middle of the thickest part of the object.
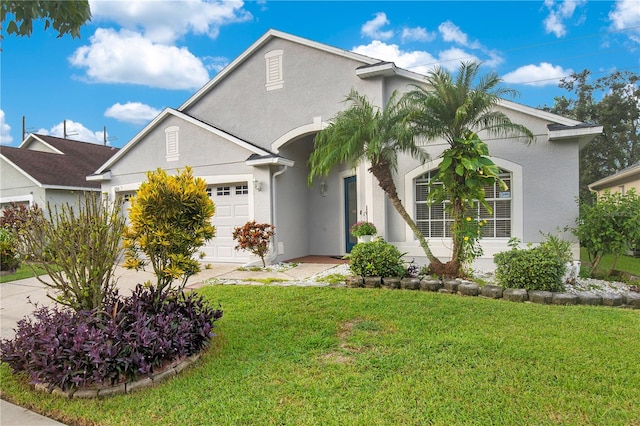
(241, 211)
(223, 212)
(232, 211)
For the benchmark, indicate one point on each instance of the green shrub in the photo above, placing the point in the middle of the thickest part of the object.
(9, 259)
(376, 259)
(78, 247)
(536, 268)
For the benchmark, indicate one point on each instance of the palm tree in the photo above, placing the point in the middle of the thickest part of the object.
(365, 132)
(453, 110)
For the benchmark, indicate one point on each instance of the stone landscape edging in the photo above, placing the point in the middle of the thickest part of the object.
(628, 299)
(170, 370)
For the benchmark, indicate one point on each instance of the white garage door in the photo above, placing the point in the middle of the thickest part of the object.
(232, 210)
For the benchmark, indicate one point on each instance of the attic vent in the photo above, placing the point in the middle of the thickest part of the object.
(273, 66)
(171, 137)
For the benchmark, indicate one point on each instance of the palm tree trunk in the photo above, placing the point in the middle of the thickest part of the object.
(382, 173)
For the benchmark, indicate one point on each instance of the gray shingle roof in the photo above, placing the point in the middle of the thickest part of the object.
(69, 169)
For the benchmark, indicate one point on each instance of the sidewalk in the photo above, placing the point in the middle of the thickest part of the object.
(17, 299)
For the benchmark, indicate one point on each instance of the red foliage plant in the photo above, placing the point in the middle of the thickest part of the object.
(254, 237)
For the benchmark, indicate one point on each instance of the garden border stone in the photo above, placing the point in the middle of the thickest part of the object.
(515, 294)
(632, 299)
(589, 298)
(410, 283)
(540, 296)
(565, 299)
(468, 289)
(171, 370)
(430, 284)
(629, 299)
(491, 291)
(611, 299)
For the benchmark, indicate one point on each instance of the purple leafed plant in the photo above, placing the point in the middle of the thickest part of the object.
(129, 337)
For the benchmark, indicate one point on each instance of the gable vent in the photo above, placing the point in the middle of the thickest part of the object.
(273, 66)
(171, 138)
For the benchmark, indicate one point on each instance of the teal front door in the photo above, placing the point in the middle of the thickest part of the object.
(350, 211)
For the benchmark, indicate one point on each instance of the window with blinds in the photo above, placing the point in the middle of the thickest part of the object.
(434, 221)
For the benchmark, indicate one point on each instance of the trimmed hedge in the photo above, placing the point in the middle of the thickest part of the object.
(376, 259)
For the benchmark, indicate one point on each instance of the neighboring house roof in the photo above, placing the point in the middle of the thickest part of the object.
(65, 164)
(628, 174)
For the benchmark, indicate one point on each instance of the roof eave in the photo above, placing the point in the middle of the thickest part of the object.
(620, 177)
(106, 176)
(583, 135)
(270, 161)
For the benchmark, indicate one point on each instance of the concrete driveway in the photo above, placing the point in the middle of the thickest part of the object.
(17, 298)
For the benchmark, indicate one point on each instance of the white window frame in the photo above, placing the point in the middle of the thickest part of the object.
(441, 247)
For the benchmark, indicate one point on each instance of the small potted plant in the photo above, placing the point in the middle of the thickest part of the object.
(363, 231)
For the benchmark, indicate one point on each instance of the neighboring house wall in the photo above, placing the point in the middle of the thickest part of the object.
(622, 181)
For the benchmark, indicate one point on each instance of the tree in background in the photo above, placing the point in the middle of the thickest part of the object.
(454, 109)
(170, 219)
(612, 101)
(609, 226)
(65, 16)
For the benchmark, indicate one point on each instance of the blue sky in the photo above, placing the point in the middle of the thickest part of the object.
(137, 57)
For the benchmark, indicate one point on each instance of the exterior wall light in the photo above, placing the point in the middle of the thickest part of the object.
(323, 188)
(257, 185)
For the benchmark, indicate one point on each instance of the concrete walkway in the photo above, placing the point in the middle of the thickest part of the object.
(17, 299)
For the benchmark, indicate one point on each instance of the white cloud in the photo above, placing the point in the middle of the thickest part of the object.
(420, 61)
(543, 74)
(165, 21)
(626, 14)
(5, 131)
(558, 14)
(451, 58)
(373, 27)
(417, 34)
(417, 61)
(132, 112)
(127, 57)
(75, 131)
(451, 33)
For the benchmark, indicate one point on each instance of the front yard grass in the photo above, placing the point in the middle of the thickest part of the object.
(336, 356)
(21, 273)
(628, 264)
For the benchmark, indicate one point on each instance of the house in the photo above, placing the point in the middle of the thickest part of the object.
(622, 181)
(46, 169)
(250, 130)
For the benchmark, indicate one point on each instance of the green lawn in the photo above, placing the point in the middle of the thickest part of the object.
(338, 356)
(22, 272)
(627, 264)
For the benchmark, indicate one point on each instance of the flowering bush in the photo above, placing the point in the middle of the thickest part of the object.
(254, 237)
(471, 231)
(363, 228)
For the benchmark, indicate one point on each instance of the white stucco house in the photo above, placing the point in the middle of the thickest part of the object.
(250, 130)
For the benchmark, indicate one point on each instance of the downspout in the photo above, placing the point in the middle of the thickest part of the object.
(274, 255)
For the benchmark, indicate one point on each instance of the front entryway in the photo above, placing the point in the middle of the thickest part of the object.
(350, 210)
